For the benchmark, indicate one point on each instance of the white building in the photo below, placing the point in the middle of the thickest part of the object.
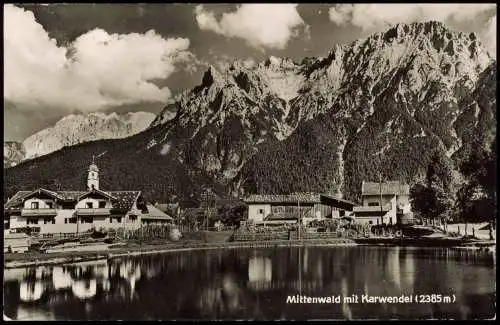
(280, 209)
(79, 211)
(383, 203)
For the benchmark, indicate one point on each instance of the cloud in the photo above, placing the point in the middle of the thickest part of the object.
(369, 16)
(260, 25)
(489, 35)
(96, 71)
(376, 16)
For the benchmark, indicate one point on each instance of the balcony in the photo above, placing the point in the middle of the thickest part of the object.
(375, 208)
(38, 212)
(93, 211)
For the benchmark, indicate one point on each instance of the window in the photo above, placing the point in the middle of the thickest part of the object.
(32, 221)
(65, 220)
(68, 206)
(370, 222)
(117, 219)
(373, 204)
(87, 220)
(132, 218)
(89, 205)
(261, 211)
(34, 205)
(50, 205)
(49, 220)
(72, 220)
(102, 204)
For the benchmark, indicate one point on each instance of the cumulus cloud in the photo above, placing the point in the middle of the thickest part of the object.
(376, 16)
(96, 71)
(369, 16)
(260, 25)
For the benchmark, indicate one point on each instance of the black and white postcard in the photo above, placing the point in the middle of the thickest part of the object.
(249, 161)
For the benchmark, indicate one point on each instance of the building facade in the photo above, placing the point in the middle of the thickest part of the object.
(47, 211)
(306, 207)
(383, 203)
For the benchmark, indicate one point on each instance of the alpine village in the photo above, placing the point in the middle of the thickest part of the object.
(362, 146)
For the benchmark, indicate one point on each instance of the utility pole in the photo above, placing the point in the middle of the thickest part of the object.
(380, 187)
(207, 215)
(77, 223)
(298, 205)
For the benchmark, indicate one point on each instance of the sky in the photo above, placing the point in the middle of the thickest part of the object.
(61, 59)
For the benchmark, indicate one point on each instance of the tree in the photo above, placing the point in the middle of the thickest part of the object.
(433, 196)
(476, 199)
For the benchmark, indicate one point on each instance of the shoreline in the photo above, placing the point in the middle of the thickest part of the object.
(16, 260)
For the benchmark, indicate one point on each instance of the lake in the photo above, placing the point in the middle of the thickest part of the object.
(255, 283)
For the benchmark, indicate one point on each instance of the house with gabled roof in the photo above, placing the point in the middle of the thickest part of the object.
(50, 211)
(383, 203)
(295, 207)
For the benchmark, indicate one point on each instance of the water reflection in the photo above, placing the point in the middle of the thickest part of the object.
(30, 291)
(61, 278)
(259, 272)
(254, 284)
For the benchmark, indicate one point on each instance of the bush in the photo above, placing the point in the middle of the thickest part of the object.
(98, 234)
(109, 240)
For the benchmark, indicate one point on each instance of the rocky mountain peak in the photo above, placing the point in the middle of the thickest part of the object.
(211, 76)
(77, 128)
(13, 153)
(380, 104)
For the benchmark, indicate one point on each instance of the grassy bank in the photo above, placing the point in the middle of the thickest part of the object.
(208, 240)
(13, 260)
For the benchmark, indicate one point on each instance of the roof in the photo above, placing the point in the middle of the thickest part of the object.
(295, 198)
(281, 216)
(284, 198)
(122, 199)
(155, 213)
(168, 208)
(94, 190)
(16, 199)
(14, 236)
(93, 167)
(191, 212)
(388, 188)
(366, 208)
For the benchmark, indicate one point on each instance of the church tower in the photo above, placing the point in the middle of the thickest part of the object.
(93, 177)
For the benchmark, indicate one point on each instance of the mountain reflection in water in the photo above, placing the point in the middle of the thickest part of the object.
(254, 284)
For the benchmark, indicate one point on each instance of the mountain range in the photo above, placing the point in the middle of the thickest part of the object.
(376, 107)
(74, 129)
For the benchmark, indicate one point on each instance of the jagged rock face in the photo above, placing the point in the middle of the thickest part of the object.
(220, 122)
(380, 96)
(13, 153)
(74, 129)
(378, 105)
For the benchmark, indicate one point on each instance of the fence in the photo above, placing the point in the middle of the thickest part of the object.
(61, 235)
(330, 230)
(260, 236)
(146, 232)
(189, 228)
